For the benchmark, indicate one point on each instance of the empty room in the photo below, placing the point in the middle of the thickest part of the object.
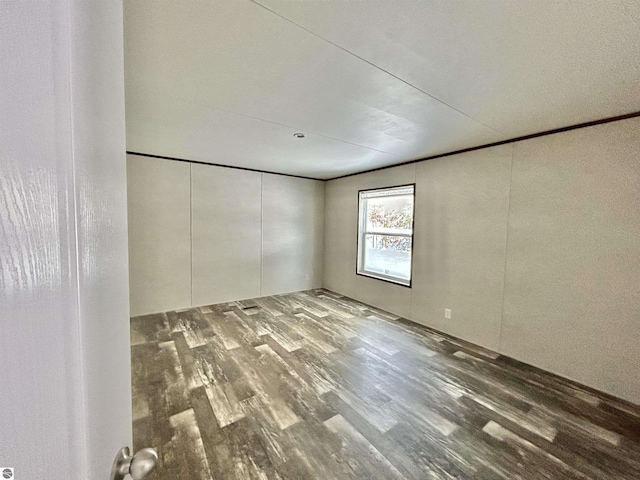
(320, 239)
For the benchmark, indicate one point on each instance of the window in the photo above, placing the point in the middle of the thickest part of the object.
(385, 233)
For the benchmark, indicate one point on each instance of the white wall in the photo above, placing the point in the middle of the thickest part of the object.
(533, 246)
(225, 234)
(64, 343)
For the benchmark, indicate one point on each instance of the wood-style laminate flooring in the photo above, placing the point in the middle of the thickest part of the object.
(314, 385)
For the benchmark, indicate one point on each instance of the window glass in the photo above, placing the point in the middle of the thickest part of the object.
(388, 255)
(385, 233)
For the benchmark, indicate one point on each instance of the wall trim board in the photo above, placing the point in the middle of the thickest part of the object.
(513, 190)
(259, 229)
(199, 162)
(501, 142)
(502, 357)
(409, 162)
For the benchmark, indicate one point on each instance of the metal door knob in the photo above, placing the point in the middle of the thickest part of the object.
(138, 466)
(142, 463)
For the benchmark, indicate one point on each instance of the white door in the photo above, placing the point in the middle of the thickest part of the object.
(65, 399)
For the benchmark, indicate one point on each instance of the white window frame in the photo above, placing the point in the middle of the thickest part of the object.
(363, 232)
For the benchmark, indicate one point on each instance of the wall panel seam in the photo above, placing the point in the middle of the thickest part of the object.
(413, 238)
(324, 234)
(261, 229)
(506, 248)
(191, 229)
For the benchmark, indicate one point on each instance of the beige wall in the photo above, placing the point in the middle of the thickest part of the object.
(533, 245)
(341, 219)
(572, 296)
(460, 242)
(292, 234)
(203, 234)
(226, 234)
(159, 234)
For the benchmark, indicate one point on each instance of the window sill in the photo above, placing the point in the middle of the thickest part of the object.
(384, 279)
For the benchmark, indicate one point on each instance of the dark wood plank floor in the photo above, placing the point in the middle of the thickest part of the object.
(314, 385)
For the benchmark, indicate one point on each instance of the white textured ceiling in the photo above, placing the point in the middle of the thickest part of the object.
(371, 83)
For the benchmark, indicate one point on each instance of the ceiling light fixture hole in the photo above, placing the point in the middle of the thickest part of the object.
(299, 135)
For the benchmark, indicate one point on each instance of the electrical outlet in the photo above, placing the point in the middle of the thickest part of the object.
(447, 313)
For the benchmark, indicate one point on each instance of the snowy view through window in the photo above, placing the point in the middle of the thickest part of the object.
(385, 234)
